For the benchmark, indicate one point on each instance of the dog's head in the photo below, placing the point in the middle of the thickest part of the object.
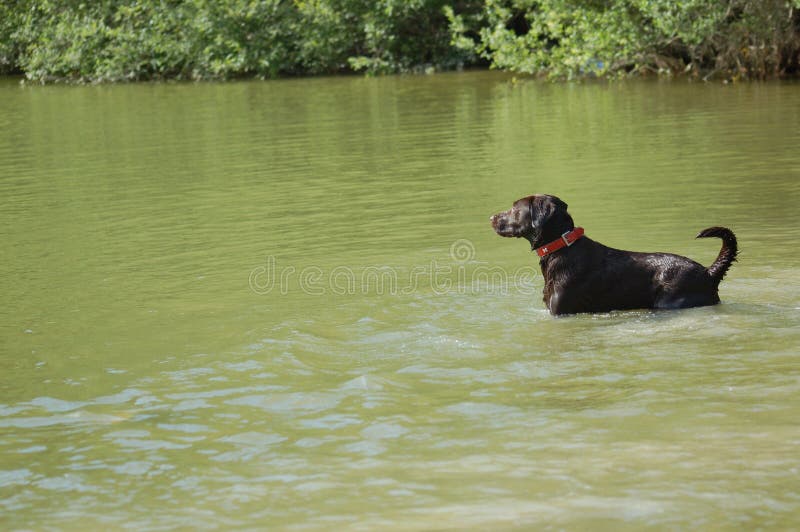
(539, 219)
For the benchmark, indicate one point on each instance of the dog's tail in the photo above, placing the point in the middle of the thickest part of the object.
(726, 255)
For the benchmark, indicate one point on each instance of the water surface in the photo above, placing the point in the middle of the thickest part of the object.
(280, 304)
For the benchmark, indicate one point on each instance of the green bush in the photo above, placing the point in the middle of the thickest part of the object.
(573, 38)
(121, 40)
(118, 40)
(11, 13)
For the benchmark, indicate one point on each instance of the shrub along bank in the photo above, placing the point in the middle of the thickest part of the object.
(127, 40)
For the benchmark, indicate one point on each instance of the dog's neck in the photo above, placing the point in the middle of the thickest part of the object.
(567, 239)
(552, 230)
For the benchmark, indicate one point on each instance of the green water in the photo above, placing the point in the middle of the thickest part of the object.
(281, 305)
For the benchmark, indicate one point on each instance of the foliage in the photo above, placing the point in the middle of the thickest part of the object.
(570, 38)
(116, 40)
(121, 40)
(403, 35)
(9, 47)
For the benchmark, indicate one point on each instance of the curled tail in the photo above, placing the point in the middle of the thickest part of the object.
(726, 255)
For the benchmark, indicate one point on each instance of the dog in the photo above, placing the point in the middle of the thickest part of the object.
(582, 275)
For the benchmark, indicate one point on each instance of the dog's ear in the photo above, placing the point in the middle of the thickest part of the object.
(543, 207)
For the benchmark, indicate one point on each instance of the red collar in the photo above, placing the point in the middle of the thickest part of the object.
(566, 240)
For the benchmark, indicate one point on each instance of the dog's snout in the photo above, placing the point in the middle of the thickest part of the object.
(497, 221)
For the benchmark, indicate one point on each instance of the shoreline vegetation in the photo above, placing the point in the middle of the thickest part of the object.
(137, 40)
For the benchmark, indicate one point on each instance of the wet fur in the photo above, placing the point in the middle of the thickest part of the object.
(591, 277)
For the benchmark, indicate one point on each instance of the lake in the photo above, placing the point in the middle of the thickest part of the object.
(281, 305)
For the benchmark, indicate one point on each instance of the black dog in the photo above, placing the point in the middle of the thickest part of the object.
(581, 275)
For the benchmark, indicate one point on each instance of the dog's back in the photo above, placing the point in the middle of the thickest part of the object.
(592, 277)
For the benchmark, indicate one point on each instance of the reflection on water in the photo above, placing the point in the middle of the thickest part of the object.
(148, 382)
